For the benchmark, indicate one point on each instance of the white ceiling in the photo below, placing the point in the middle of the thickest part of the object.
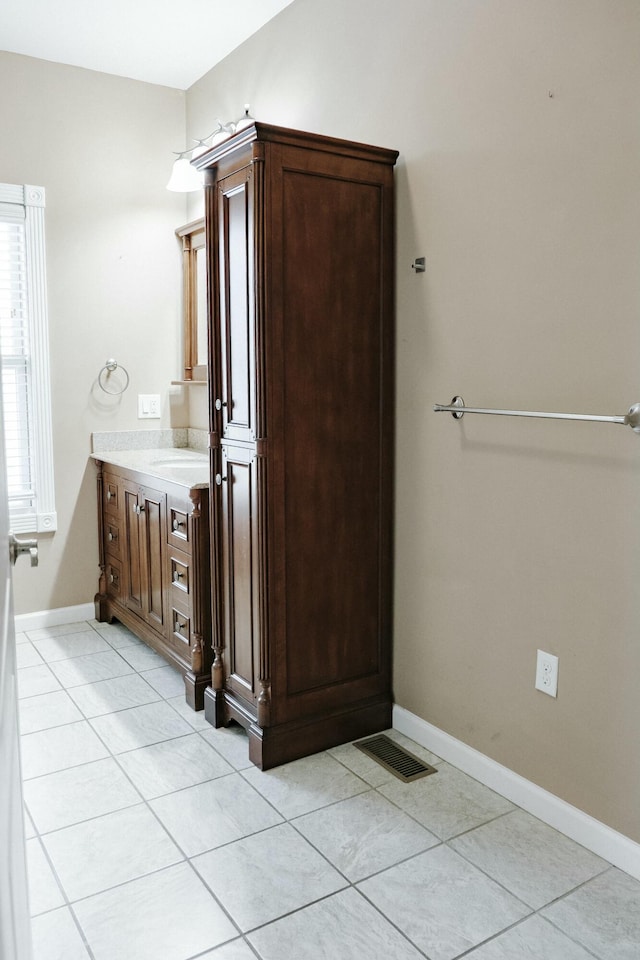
(172, 42)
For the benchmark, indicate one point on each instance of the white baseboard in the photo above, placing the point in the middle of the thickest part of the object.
(619, 850)
(53, 618)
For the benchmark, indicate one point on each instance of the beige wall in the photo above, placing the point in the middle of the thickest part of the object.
(101, 146)
(510, 534)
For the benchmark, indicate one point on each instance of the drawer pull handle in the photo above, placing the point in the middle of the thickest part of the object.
(180, 626)
(177, 576)
(113, 578)
(177, 524)
(109, 495)
(112, 536)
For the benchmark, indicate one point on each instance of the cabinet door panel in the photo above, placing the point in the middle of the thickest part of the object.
(241, 571)
(152, 517)
(237, 305)
(145, 537)
(133, 595)
(333, 411)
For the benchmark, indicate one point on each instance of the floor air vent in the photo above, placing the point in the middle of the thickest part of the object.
(394, 758)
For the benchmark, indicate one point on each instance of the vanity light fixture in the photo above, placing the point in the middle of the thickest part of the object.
(184, 178)
(245, 120)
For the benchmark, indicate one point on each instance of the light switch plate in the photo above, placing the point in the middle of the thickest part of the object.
(148, 406)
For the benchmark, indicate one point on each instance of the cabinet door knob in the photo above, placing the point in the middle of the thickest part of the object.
(112, 536)
(220, 478)
(177, 524)
(177, 576)
(220, 404)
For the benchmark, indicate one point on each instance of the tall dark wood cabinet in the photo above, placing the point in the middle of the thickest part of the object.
(300, 235)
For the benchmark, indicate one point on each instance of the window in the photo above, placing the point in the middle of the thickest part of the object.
(24, 350)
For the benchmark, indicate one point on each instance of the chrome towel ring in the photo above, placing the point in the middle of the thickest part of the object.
(105, 375)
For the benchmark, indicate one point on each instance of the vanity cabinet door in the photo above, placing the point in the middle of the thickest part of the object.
(153, 522)
(145, 538)
(133, 592)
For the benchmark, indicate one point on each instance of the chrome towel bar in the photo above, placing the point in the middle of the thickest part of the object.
(457, 409)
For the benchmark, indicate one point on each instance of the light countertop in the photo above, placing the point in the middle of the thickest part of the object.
(190, 468)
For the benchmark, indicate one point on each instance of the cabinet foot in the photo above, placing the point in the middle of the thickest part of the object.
(101, 605)
(214, 707)
(194, 690)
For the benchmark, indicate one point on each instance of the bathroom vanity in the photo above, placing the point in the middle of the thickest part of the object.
(153, 509)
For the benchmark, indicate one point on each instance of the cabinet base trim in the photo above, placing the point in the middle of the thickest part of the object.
(271, 746)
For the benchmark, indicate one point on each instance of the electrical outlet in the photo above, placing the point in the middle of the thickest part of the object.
(547, 673)
(148, 406)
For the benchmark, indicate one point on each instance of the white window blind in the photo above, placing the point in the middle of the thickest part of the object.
(24, 351)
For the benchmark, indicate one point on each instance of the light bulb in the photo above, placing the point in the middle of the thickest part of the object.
(246, 120)
(184, 178)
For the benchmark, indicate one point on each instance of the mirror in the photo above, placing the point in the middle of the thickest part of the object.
(194, 280)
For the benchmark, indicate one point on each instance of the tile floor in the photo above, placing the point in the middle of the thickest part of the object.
(150, 836)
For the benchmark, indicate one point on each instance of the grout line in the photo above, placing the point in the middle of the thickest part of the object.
(391, 922)
(565, 933)
(367, 788)
(67, 903)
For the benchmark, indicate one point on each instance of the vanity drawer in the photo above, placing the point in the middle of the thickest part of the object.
(180, 574)
(112, 536)
(179, 524)
(181, 631)
(114, 577)
(111, 495)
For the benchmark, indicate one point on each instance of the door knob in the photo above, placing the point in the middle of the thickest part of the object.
(19, 547)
